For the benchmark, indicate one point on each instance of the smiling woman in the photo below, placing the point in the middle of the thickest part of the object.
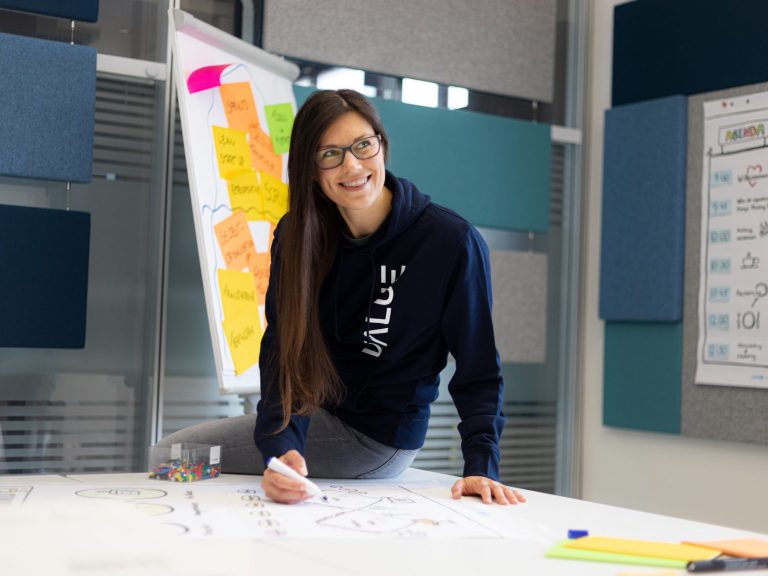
(343, 341)
(372, 286)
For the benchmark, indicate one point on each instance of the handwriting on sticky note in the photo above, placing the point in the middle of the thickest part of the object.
(260, 265)
(235, 241)
(232, 152)
(244, 339)
(262, 155)
(275, 197)
(238, 293)
(280, 124)
(239, 106)
(242, 323)
(245, 194)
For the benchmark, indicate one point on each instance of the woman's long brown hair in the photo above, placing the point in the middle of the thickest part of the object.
(307, 375)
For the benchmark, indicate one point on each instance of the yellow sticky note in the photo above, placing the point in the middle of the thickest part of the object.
(238, 294)
(235, 241)
(239, 106)
(280, 123)
(275, 197)
(232, 152)
(244, 340)
(242, 324)
(245, 194)
(662, 573)
(263, 156)
(648, 548)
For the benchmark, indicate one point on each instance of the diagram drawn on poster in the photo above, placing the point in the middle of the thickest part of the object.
(237, 105)
(733, 297)
(200, 510)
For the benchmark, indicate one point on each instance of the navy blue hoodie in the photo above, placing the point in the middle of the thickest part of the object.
(391, 311)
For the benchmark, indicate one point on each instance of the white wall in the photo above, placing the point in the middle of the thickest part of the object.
(719, 482)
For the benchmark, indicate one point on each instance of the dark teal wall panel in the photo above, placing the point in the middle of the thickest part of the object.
(662, 48)
(643, 375)
(493, 171)
(44, 258)
(85, 10)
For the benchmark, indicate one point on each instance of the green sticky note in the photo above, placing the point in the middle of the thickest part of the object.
(562, 551)
(280, 123)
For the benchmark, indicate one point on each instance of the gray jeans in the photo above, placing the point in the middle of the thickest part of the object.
(333, 449)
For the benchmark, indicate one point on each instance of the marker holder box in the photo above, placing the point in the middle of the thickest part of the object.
(185, 462)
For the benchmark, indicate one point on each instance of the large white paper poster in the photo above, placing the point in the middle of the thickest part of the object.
(223, 510)
(733, 297)
(237, 106)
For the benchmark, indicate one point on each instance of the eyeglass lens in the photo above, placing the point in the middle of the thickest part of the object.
(362, 150)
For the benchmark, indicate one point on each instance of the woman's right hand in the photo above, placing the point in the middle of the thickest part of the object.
(281, 488)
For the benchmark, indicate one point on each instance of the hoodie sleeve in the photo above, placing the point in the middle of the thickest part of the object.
(477, 387)
(269, 412)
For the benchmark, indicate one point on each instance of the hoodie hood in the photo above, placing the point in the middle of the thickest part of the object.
(408, 204)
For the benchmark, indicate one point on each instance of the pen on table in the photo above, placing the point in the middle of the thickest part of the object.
(281, 468)
(723, 564)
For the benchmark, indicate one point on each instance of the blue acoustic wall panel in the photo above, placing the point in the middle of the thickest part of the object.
(643, 227)
(662, 48)
(48, 95)
(84, 10)
(493, 171)
(44, 263)
(643, 375)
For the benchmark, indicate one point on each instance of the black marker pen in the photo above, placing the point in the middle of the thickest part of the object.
(723, 564)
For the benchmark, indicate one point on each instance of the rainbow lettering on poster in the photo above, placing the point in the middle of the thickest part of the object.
(742, 133)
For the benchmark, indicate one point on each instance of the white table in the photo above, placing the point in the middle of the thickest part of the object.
(54, 532)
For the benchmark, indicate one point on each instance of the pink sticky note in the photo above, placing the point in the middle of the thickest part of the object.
(205, 78)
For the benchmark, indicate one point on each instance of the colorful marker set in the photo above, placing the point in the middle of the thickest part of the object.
(179, 471)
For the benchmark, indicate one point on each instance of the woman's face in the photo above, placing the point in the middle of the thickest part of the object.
(356, 186)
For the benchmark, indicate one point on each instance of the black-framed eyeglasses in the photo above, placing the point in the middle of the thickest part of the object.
(362, 149)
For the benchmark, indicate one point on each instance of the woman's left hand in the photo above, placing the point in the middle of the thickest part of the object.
(488, 490)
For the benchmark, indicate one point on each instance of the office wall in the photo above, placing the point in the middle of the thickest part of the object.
(719, 482)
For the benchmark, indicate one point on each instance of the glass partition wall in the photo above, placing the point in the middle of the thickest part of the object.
(90, 410)
(147, 368)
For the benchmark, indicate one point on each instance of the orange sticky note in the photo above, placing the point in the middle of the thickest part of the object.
(272, 228)
(245, 194)
(263, 157)
(232, 152)
(275, 197)
(239, 106)
(260, 267)
(235, 241)
(743, 547)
